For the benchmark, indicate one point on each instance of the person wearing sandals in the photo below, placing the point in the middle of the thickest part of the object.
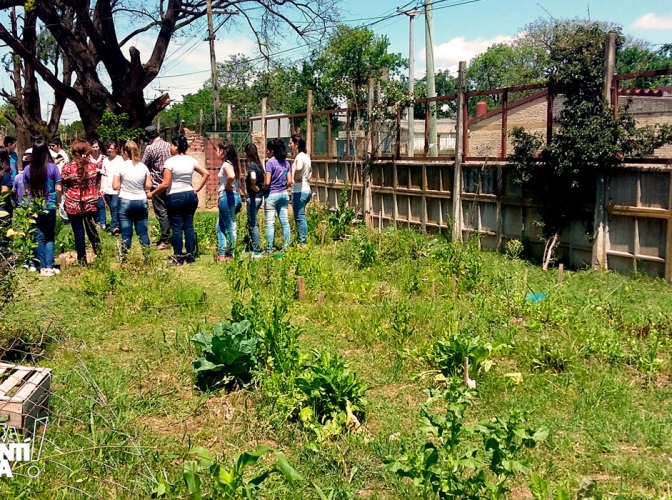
(229, 200)
(182, 199)
(276, 182)
(132, 181)
(301, 193)
(43, 180)
(80, 182)
(254, 182)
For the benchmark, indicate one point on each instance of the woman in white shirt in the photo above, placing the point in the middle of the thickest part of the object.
(182, 200)
(132, 180)
(111, 165)
(229, 202)
(301, 193)
(97, 158)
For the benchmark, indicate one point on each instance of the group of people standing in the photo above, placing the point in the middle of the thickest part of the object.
(264, 184)
(123, 181)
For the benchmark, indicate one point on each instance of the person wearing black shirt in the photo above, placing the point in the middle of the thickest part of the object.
(254, 182)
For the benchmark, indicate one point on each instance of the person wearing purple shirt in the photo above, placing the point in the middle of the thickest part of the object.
(43, 180)
(276, 182)
(19, 189)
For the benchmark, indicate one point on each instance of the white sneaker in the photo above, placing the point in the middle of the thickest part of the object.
(32, 269)
(56, 270)
(46, 272)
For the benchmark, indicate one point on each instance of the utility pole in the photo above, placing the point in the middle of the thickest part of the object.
(411, 79)
(431, 90)
(213, 63)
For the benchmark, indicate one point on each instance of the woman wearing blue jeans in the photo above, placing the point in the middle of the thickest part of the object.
(229, 200)
(301, 193)
(254, 182)
(182, 199)
(276, 182)
(111, 165)
(132, 181)
(43, 180)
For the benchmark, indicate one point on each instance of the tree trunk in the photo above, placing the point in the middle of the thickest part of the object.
(549, 250)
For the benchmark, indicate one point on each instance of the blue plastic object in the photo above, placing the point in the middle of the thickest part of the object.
(536, 297)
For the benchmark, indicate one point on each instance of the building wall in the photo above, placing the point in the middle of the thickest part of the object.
(485, 135)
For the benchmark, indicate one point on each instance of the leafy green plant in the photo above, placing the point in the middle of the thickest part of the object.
(645, 354)
(364, 248)
(514, 249)
(541, 491)
(227, 356)
(329, 384)
(448, 466)
(65, 239)
(401, 244)
(20, 231)
(448, 354)
(340, 222)
(331, 395)
(551, 356)
(116, 128)
(232, 483)
(462, 261)
(278, 339)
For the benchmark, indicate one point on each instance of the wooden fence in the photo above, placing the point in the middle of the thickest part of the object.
(626, 226)
(417, 194)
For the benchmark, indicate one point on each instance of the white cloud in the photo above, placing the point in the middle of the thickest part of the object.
(653, 21)
(448, 54)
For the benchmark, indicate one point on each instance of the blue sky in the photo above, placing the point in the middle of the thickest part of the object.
(461, 32)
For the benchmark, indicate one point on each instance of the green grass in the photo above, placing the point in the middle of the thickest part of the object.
(594, 357)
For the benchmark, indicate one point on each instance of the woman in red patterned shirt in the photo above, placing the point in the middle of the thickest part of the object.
(80, 184)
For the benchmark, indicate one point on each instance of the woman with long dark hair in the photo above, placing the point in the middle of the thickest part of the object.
(81, 180)
(97, 158)
(254, 183)
(132, 181)
(182, 199)
(301, 193)
(42, 180)
(276, 182)
(229, 200)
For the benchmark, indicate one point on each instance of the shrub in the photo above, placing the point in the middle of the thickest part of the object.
(450, 466)
(233, 483)
(398, 244)
(514, 249)
(364, 248)
(340, 222)
(448, 354)
(463, 261)
(278, 339)
(328, 386)
(227, 356)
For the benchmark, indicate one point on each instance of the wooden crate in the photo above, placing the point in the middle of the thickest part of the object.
(24, 395)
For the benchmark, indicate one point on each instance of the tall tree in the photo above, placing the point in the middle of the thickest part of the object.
(561, 175)
(26, 112)
(93, 44)
(351, 57)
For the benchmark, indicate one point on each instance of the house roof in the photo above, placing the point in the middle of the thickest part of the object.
(642, 92)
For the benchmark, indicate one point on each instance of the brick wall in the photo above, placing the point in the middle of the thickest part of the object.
(485, 135)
